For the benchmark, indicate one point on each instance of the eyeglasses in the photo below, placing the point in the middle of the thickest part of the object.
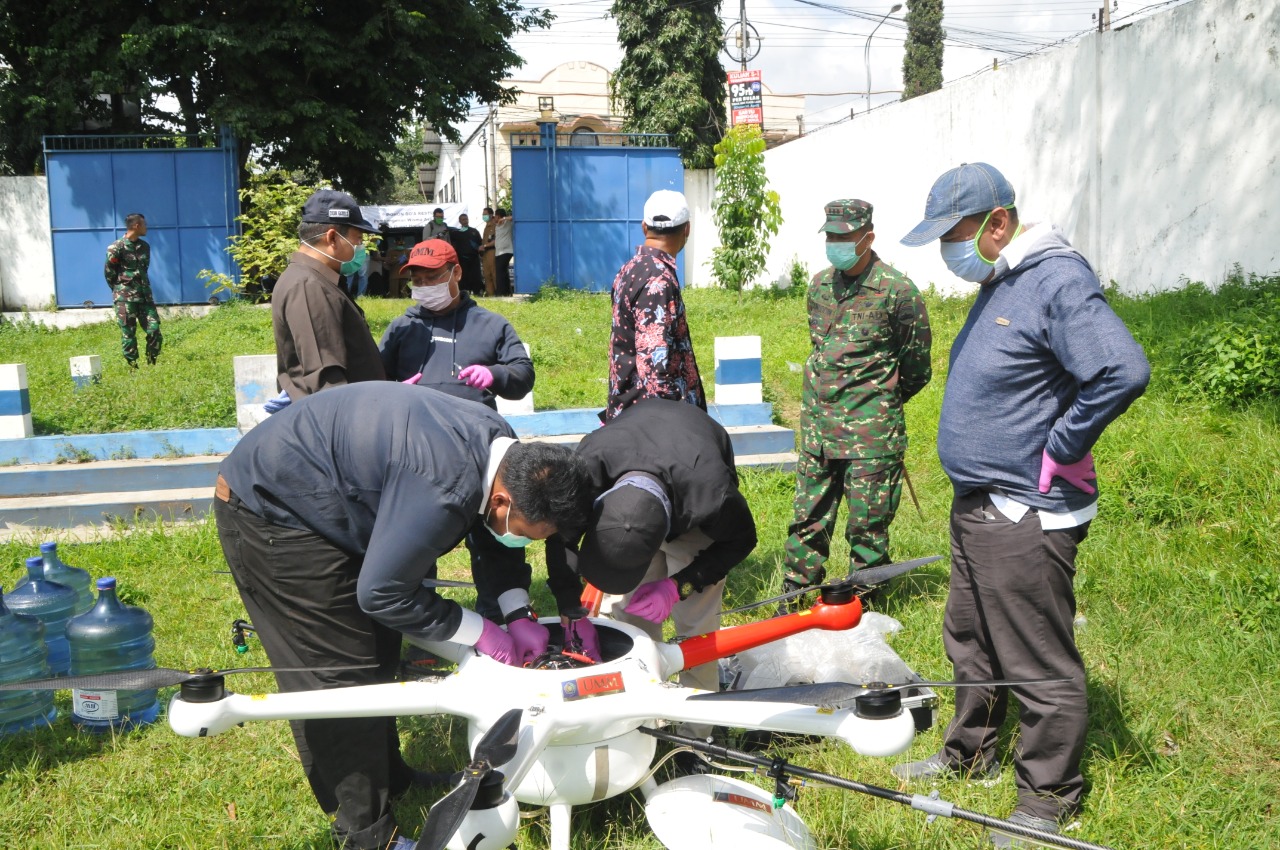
(420, 278)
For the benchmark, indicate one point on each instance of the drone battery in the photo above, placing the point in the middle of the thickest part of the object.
(923, 705)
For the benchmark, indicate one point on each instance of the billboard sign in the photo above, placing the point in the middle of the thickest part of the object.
(745, 102)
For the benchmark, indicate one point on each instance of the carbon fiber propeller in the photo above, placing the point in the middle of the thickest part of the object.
(837, 693)
(497, 746)
(156, 677)
(867, 578)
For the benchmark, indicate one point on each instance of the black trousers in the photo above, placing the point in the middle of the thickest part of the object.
(300, 593)
(472, 274)
(1010, 615)
(503, 269)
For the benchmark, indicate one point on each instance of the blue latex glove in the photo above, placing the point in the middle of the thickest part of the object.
(497, 644)
(1074, 474)
(277, 404)
(580, 636)
(654, 601)
(530, 638)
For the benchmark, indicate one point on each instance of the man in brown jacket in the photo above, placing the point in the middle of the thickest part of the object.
(488, 263)
(322, 338)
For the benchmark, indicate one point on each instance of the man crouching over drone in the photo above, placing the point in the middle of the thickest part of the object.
(667, 527)
(331, 515)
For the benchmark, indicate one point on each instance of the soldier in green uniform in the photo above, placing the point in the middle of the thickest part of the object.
(871, 340)
(126, 273)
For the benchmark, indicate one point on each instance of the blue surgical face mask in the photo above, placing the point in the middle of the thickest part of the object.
(965, 261)
(844, 255)
(506, 538)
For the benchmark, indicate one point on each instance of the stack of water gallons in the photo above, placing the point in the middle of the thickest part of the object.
(50, 625)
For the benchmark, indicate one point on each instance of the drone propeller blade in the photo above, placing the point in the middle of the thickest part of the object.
(145, 680)
(864, 578)
(499, 744)
(835, 693)
(447, 815)
(871, 576)
(496, 746)
(444, 582)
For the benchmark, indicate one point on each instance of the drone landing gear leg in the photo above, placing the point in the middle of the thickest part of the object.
(560, 825)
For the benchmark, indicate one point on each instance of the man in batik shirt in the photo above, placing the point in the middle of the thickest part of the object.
(650, 351)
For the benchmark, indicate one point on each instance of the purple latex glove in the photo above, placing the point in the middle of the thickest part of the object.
(1074, 474)
(412, 380)
(497, 644)
(654, 601)
(530, 638)
(480, 377)
(581, 633)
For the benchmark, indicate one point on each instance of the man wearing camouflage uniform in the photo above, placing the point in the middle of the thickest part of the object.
(870, 335)
(126, 273)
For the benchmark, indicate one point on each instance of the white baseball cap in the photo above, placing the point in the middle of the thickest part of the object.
(666, 209)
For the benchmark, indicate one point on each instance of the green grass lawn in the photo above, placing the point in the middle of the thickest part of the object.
(1177, 586)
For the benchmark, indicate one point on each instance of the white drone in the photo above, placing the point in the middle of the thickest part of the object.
(568, 732)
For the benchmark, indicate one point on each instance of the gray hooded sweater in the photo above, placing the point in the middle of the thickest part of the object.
(1042, 362)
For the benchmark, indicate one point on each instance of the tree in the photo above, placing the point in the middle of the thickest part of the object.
(746, 210)
(670, 79)
(922, 64)
(328, 88)
(269, 231)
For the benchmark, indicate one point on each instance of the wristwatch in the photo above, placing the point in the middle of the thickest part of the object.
(685, 589)
(524, 612)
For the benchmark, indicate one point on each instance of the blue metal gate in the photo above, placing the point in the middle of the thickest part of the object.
(186, 186)
(578, 202)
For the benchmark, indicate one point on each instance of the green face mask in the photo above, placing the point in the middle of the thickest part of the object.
(484, 217)
(844, 255)
(353, 265)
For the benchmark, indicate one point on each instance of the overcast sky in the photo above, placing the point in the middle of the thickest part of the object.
(815, 47)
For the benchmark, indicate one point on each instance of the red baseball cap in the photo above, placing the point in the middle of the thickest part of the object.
(431, 254)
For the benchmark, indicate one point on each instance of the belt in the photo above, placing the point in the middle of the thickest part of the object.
(222, 491)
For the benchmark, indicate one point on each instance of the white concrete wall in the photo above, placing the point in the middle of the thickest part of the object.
(1153, 147)
(26, 245)
(699, 186)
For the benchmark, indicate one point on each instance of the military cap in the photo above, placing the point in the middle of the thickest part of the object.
(846, 216)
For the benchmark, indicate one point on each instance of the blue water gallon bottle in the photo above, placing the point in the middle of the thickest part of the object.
(73, 577)
(23, 656)
(52, 604)
(111, 637)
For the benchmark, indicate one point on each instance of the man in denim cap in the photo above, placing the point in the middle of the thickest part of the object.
(1040, 368)
(870, 335)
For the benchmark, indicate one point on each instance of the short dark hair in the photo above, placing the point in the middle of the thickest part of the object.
(132, 220)
(665, 231)
(548, 483)
(437, 210)
(488, 209)
(500, 211)
(309, 231)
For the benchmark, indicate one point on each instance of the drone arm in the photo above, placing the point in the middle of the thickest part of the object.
(199, 719)
(870, 737)
(725, 642)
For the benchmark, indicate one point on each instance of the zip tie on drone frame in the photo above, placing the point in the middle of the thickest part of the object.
(779, 768)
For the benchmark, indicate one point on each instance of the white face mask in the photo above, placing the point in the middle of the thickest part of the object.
(433, 298)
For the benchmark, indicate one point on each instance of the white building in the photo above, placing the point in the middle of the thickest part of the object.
(478, 171)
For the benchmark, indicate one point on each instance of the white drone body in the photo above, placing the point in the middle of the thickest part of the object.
(579, 740)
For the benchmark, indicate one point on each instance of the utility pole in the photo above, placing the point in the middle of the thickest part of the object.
(743, 32)
(1104, 18)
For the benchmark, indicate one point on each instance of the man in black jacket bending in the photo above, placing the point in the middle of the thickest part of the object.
(667, 527)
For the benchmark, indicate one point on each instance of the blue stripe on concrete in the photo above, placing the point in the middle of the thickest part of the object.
(201, 441)
(15, 402)
(739, 371)
(125, 445)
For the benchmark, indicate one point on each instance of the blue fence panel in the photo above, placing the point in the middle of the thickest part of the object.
(187, 187)
(578, 209)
